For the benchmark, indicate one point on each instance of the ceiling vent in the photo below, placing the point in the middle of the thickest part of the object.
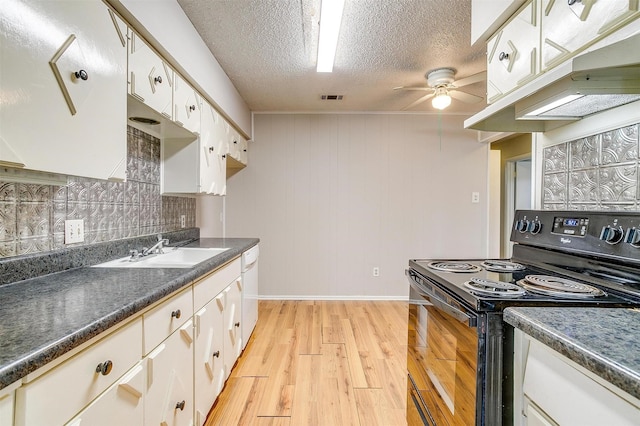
(331, 97)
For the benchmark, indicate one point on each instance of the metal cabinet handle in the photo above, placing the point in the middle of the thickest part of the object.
(192, 107)
(104, 368)
(176, 314)
(503, 55)
(180, 405)
(210, 149)
(237, 324)
(224, 156)
(158, 79)
(235, 141)
(244, 150)
(82, 75)
(216, 354)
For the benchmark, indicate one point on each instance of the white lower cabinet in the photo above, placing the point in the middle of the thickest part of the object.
(84, 377)
(550, 390)
(169, 393)
(233, 331)
(121, 404)
(164, 368)
(209, 372)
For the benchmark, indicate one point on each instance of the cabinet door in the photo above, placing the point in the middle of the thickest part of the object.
(121, 404)
(568, 27)
(233, 331)
(187, 105)
(169, 396)
(209, 370)
(150, 78)
(7, 399)
(512, 53)
(63, 88)
(212, 153)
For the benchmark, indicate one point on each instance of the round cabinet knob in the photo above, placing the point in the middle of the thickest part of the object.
(237, 324)
(633, 237)
(180, 405)
(522, 226)
(611, 235)
(216, 354)
(503, 55)
(210, 149)
(82, 75)
(158, 80)
(224, 156)
(176, 314)
(536, 227)
(104, 368)
(244, 150)
(235, 141)
(192, 107)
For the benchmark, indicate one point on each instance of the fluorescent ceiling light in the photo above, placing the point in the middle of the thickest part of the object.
(330, 19)
(441, 100)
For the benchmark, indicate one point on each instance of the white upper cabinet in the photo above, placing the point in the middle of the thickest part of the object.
(63, 90)
(513, 53)
(488, 15)
(214, 149)
(187, 104)
(150, 77)
(568, 26)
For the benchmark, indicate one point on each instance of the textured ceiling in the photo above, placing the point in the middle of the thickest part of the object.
(268, 49)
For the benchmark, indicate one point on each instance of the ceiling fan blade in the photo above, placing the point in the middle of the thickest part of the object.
(475, 78)
(419, 101)
(465, 97)
(421, 88)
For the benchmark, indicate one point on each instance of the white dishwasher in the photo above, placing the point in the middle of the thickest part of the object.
(250, 290)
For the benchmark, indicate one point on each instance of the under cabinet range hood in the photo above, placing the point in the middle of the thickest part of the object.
(592, 82)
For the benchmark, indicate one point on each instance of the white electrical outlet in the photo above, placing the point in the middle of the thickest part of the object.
(183, 221)
(475, 197)
(376, 271)
(73, 231)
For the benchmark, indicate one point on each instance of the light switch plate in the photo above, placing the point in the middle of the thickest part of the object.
(183, 221)
(475, 197)
(73, 231)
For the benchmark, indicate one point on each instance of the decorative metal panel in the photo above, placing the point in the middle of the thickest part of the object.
(555, 158)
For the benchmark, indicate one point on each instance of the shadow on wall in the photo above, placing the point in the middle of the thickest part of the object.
(32, 216)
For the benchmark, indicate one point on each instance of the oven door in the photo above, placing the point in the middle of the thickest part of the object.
(442, 357)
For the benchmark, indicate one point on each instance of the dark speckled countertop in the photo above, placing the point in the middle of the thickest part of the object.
(605, 341)
(44, 317)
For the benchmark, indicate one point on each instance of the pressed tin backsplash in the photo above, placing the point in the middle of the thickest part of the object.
(599, 172)
(32, 216)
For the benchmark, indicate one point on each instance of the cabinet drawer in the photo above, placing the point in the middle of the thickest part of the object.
(58, 395)
(207, 288)
(166, 318)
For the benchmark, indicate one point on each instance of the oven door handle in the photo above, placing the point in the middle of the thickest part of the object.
(437, 302)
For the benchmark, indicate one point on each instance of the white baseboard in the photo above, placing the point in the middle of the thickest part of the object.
(319, 297)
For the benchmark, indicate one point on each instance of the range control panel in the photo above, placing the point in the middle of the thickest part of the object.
(601, 233)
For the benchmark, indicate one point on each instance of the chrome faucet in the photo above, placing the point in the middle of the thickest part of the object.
(156, 248)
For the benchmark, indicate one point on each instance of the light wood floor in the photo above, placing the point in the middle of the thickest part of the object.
(320, 363)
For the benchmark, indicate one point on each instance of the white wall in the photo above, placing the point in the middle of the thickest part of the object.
(164, 24)
(332, 196)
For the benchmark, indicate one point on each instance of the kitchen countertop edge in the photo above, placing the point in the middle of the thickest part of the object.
(541, 324)
(38, 357)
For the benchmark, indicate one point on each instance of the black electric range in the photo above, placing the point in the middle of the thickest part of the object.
(560, 258)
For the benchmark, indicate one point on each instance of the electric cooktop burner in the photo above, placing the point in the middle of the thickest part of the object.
(559, 287)
(453, 266)
(502, 266)
(483, 287)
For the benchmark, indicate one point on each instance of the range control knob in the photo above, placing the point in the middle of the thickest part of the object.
(522, 225)
(633, 237)
(611, 235)
(535, 227)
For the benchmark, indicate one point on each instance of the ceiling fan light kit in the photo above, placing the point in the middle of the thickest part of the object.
(443, 86)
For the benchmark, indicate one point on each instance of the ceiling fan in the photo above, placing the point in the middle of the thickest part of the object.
(442, 87)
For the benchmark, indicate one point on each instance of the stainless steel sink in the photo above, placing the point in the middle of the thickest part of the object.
(181, 257)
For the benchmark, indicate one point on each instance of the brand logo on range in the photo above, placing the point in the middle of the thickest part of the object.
(565, 240)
